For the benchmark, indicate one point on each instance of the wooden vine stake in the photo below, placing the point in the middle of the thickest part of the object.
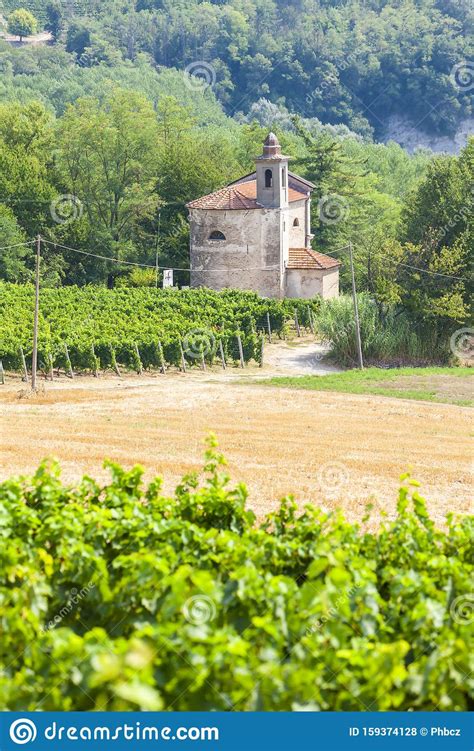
(2, 374)
(269, 327)
(25, 369)
(262, 348)
(221, 352)
(68, 361)
(161, 358)
(310, 319)
(51, 366)
(183, 360)
(241, 351)
(94, 360)
(139, 360)
(114, 361)
(297, 323)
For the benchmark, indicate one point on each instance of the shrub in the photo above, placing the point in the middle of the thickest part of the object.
(137, 278)
(117, 597)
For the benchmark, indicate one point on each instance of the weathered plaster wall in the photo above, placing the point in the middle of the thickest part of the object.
(331, 283)
(304, 283)
(307, 283)
(275, 196)
(297, 234)
(249, 257)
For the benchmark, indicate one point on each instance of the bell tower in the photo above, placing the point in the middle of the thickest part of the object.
(272, 175)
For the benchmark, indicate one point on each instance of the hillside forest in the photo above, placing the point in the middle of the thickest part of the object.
(134, 108)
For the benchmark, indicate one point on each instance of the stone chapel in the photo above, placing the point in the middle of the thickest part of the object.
(255, 234)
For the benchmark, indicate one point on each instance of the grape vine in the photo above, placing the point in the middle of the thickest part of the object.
(93, 328)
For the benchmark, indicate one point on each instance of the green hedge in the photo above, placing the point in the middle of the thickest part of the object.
(118, 597)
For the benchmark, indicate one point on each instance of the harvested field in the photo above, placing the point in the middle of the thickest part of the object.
(327, 448)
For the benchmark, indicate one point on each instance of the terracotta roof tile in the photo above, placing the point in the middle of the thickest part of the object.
(239, 196)
(302, 258)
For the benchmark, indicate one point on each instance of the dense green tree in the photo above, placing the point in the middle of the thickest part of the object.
(193, 161)
(26, 140)
(439, 210)
(108, 160)
(374, 223)
(22, 23)
(55, 20)
(439, 238)
(78, 38)
(99, 52)
(12, 253)
(397, 171)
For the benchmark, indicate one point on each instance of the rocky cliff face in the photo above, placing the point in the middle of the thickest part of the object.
(399, 130)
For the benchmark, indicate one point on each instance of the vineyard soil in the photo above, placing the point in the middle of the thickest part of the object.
(275, 440)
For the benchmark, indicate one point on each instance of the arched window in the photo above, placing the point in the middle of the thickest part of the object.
(268, 178)
(216, 235)
(296, 223)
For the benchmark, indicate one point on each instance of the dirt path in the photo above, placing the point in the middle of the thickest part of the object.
(326, 448)
(42, 38)
(36, 40)
(298, 358)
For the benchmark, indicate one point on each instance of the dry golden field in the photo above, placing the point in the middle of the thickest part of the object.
(327, 448)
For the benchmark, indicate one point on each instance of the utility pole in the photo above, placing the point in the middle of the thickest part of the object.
(356, 311)
(34, 363)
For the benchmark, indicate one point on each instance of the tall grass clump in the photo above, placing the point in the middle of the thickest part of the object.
(388, 336)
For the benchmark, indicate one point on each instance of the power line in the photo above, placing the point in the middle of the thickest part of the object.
(108, 258)
(338, 250)
(406, 265)
(95, 255)
(247, 268)
(17, 245)
(175, 268)
(427, 271)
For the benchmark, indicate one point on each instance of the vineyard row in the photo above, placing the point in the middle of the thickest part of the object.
(93, 328)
